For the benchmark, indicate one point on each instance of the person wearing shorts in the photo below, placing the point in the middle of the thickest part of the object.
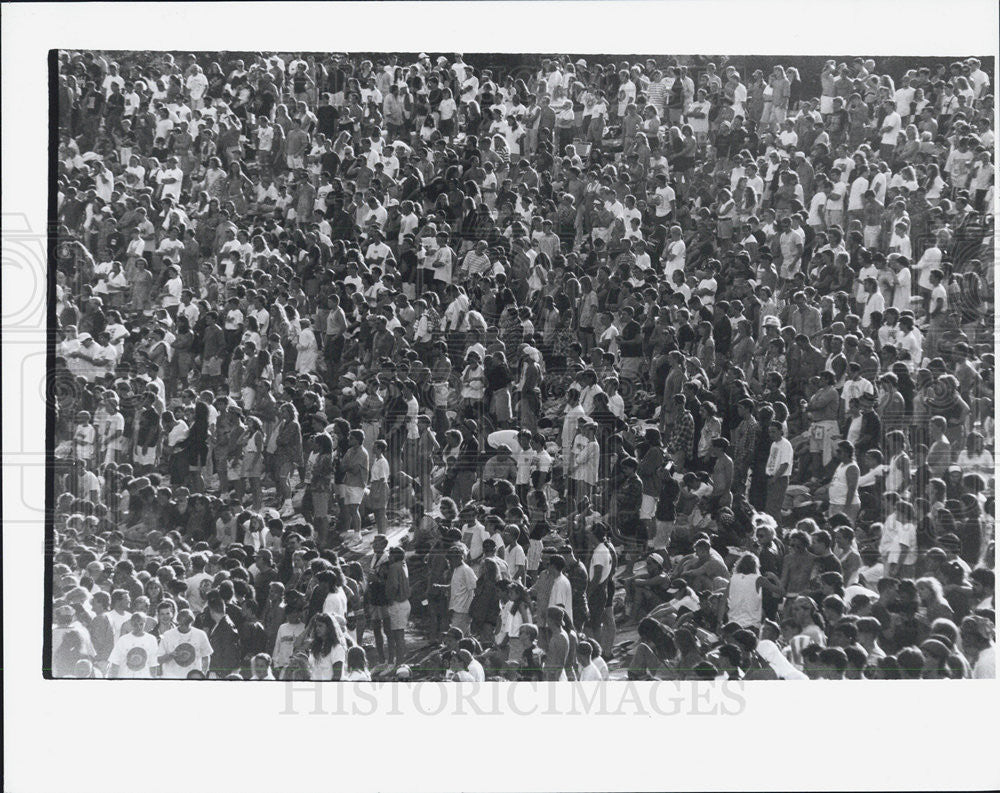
(824, 432)
(376, 596)
(647, 511)
(823, 437)
(352, 494)
(397, 613)
(354, 469)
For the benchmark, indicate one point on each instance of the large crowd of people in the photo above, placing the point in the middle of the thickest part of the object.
(395, 367)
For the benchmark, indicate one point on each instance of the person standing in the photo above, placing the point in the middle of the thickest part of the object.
(561, 594)
(600, 586)
(744, 444)
(184, 648)
(462, 588)
(224, 638)
(354, 472)
(843, 492)
(135, 652)
(397, 590)
(778, 469)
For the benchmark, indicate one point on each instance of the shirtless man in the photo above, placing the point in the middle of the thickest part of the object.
(798, 565)
(558, 646)
(722, 474)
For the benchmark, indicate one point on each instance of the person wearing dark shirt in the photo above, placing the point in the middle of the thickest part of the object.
(825, 560)
(227, 654)
(326, 119)
(329, 162)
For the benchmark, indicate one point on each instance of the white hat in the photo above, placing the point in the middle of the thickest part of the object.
(84, 336)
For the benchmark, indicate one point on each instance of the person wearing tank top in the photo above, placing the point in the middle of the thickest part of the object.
(843, 490)
(745, 598)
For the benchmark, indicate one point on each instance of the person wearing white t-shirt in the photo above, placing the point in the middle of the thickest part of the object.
(754, 180)
(937, 311)
(184, 648)
(892, 125)
(443, 260)
(469, 89)
(666, 195)
(875, 302)
(194, 583)
(447, 109)
(856, 196)
(817, 208)
(674, 253)
(855, 386)
(979, 80)
(408, 220)
(778, 469)
(513, 554)
(739, 97)
(172, 288)
(902, 293)
(197, 86)
(170, 180)
(697, 115)
(626, 92)
(879, 185)
(912, 342)
(791, 244)
(843, 166)
(930, 260)
(903, 99)
(164, 124)
(326, 654)
(135, 653)
(335, 603)
(707, 287)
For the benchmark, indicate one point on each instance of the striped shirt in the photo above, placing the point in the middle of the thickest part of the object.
(656, 95)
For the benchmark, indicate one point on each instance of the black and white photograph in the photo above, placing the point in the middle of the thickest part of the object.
(579, 367)
(395, 365)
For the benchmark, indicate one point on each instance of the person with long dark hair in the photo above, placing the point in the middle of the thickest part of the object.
(655, 653)
(195, 447)
(326, 648)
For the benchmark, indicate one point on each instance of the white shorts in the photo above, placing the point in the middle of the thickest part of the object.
(648, 508)
(353, 495)
(399, 615)
(825, 105)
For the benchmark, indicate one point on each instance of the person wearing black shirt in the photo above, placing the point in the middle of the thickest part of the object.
(327, 116)
(630, 343)
(114, 108)
(686, 335)
(822, 548)
(341, 224)
(722, 329)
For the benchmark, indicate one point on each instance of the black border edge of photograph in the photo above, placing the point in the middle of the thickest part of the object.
(50, 324)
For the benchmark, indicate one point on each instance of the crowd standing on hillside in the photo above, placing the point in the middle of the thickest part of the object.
(655, 344)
